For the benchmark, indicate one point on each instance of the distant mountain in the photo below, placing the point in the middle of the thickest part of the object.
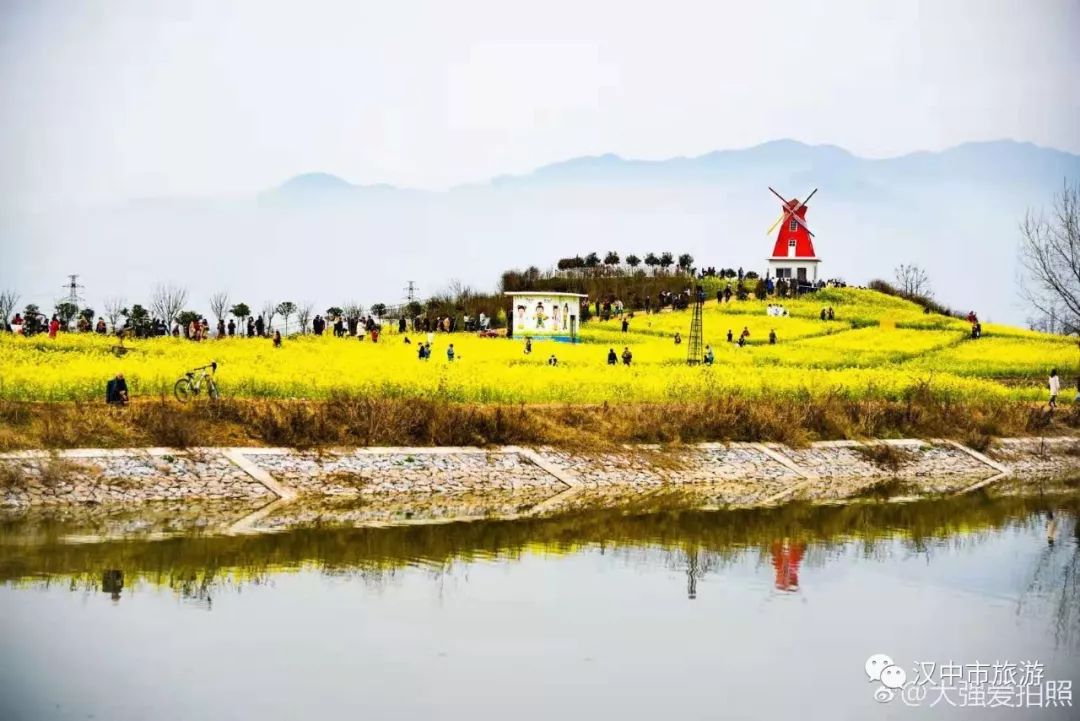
(323, 187)
(973, 162)
(321, 238)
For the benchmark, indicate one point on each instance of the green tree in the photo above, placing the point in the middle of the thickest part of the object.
(612, 258)
(285, 309)
(66, 312)
(760, 289)
(334, 311)
(138, 316)
(378, 310)
(185, 318)
(633, 261)
(592, 260)
(666, 260)
(240, 310)
(652, 261)
(686, 262)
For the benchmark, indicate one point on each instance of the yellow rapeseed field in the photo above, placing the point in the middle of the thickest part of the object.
(878, 347)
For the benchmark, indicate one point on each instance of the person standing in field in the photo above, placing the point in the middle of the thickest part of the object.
(730, 335)
(627, 356)
(232, 327)
(709, 357)
(612, 359)
(625, 325)
(772, 337)
(1055, 387)
(450, 353)
(277, 339)
(54, 327)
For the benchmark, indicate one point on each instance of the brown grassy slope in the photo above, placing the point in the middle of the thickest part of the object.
(365, 421)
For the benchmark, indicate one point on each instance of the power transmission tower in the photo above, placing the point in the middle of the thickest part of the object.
(410, 292)
(73, 289)
(695, 353)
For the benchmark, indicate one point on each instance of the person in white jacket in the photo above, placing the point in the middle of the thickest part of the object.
(1055, 388)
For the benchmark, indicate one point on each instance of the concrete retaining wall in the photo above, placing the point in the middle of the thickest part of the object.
(724, 474)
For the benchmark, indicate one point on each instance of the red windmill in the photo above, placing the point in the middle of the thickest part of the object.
(793, 256)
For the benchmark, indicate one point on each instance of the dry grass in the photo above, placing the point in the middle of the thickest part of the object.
(367, 421)
(886, 456)
(12, 477)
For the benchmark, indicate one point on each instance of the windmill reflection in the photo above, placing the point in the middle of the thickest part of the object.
(786, 557)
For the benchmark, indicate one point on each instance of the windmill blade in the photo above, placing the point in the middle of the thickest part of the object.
(792, 208)
(782, 198)
(781, 219)
(801, 203)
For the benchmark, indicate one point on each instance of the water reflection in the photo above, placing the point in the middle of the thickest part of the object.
(641, 611)
(37, 551)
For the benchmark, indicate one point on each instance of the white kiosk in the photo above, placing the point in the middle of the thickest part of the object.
(544, 314)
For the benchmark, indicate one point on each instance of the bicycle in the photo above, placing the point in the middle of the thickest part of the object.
(191, 384)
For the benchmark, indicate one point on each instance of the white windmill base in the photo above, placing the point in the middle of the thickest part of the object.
(805, 270)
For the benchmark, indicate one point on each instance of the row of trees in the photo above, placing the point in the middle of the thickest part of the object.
(611, 261)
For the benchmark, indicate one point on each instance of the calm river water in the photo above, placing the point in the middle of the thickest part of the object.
(647, 613)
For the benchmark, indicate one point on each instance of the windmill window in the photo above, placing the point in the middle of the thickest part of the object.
(791, 243)
(793, 225)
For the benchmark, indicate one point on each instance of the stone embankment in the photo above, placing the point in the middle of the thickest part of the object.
(524, 480)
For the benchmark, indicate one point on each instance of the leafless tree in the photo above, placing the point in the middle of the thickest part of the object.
(167, 301)
(268, 310)
(219, 304)
(913, 280)
(353, 309)
(303, 315)
(8, 300)
(1050, 258)
(114, 308)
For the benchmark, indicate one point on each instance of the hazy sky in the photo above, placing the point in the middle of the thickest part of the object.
(106, 100)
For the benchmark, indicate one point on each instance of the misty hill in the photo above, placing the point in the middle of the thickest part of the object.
(319, 237)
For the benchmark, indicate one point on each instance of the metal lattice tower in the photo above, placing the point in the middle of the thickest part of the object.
(410, 292)
(695, 352)
(73, 289)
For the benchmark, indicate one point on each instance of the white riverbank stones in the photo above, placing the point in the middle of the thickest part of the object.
(84, 478)
(364, 472)
(514, 479)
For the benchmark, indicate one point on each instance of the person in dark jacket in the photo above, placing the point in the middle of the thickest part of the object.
(116, 391)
